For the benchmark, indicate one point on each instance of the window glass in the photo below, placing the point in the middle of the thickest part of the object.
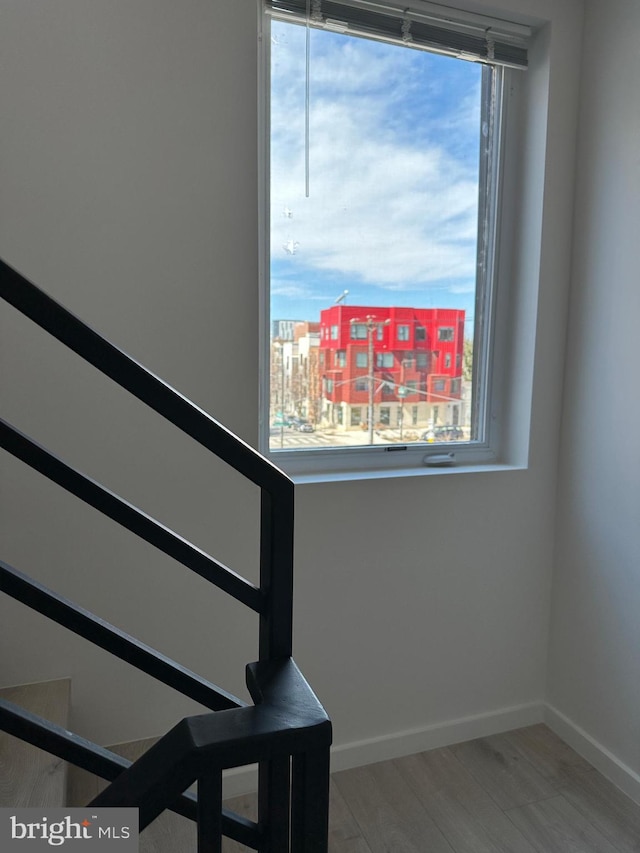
(377, 224)
(384, 359)
(445, 334)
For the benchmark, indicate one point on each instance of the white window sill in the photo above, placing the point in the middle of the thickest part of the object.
(388, 474)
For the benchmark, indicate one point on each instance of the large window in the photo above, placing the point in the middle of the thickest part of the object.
(382, 179)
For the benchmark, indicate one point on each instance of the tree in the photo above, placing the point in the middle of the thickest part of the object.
(467, 359)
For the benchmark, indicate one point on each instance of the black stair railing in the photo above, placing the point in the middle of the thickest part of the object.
(286, 731)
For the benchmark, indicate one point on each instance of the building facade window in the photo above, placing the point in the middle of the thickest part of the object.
(355, 416)
(402, 332)
(384, 359)
(445, 334)
(341, 358)
(358, 332)
(385, 415)
(362, 359)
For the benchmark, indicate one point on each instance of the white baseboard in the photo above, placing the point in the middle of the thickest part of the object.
(357, 754)
(595, 753)
(242, 780)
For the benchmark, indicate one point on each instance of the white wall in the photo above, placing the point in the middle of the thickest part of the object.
(129, 192)
(594, 672)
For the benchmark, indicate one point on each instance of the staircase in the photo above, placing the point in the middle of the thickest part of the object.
(285, 731)
(30, 777)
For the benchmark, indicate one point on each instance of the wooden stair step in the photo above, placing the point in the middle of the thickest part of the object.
(30, 777)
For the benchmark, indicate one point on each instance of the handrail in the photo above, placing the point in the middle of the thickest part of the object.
(129, 516)
(287, 731)
(287, 721)
(99, 761)
(277, 490)
(99, 632)
(34, 303)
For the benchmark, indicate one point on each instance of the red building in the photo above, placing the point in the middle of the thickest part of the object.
(410, 357)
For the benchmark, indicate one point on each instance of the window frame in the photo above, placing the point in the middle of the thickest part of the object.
(495, 344)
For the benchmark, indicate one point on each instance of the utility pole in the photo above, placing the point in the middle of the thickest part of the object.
(372, 325)
(401, 395)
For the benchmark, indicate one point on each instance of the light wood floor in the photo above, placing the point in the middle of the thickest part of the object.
(520, 792)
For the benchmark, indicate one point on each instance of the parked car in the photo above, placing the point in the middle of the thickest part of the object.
(303, 426)
(285, 421)
(443, 433)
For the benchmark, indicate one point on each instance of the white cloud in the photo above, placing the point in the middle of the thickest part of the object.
(383, 209)
(295, 291)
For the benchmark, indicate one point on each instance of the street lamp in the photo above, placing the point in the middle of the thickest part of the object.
(371, 325)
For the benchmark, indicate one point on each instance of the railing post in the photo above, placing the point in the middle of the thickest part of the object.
(310, 801)
(276, 641)
(274, 792)
(210, 812)
(276, 571)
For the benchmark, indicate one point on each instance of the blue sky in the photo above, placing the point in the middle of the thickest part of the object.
(392, 211)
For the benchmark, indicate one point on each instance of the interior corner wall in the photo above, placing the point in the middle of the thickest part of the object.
(129, 192)
(594, 664)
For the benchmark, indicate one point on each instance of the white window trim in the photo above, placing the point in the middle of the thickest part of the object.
(508, 395)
